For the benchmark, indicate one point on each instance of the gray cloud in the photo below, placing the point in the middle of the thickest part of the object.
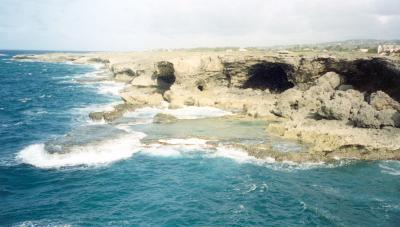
(132, 25)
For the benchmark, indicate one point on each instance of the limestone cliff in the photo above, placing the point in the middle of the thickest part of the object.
(332, 102)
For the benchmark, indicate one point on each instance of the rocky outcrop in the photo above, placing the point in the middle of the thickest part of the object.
(99, 60)
(114, 114)
(148, 96)
(323, 100)
(332, 140)
(342, 106)
(122, 73)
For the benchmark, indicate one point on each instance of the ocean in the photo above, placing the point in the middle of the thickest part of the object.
(58, 168)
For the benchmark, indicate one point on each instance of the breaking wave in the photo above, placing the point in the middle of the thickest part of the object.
(110, 88)
(188, 147)
(91, 154)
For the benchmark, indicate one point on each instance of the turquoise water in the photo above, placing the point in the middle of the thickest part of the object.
(58, 168)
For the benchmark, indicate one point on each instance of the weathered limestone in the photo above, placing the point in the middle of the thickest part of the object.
(122, 74)
(382, 101)
(343, 107)
(330, 139)
(114, 114)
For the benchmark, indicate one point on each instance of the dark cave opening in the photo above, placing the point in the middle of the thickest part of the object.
(269, 75)
(371, 75)
(166, 75)
(200, 87)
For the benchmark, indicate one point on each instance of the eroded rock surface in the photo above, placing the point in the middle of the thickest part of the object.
(345, 107)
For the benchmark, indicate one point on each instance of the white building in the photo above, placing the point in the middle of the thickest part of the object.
(388, 49)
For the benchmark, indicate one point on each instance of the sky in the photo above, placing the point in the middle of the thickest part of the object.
(124, 25)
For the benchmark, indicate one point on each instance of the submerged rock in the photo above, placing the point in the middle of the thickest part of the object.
(96, 116)
(162, 118)
(83, 136)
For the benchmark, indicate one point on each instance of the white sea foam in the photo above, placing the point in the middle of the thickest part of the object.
(40, 223)
(23, 100)
(235, 154)
(242, 157)
(190, 146)
(35, 112)
(189, 141)
(97, 66)
(195, 146)
(390, 167)
(177, 147)
(96, 107)
(110, 88)
(144, 113)
(161, 151)
(195, 112)
(100, 153)
(188, 112)
(125, 127)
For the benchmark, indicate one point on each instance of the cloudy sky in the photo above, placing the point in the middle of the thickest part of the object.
(145, 24)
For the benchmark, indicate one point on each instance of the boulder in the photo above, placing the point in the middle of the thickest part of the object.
(162, 118)
(366, 117)
(341, 105)
(389, 117)
(329, 80)
(322, 90)
(382, 101)
(287, 103)
(335, 109)
(110, 116)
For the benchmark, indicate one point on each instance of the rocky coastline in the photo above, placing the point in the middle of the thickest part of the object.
(343, 106)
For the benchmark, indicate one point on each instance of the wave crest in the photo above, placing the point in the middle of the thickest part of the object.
(93, 154)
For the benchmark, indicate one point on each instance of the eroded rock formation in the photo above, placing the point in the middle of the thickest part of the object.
(336, 104)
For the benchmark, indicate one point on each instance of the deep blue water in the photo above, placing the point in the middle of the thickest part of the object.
(42, 101)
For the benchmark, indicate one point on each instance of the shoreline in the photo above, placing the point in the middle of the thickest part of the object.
(148, 84)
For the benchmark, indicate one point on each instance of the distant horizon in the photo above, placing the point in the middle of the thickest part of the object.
(212, 47)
